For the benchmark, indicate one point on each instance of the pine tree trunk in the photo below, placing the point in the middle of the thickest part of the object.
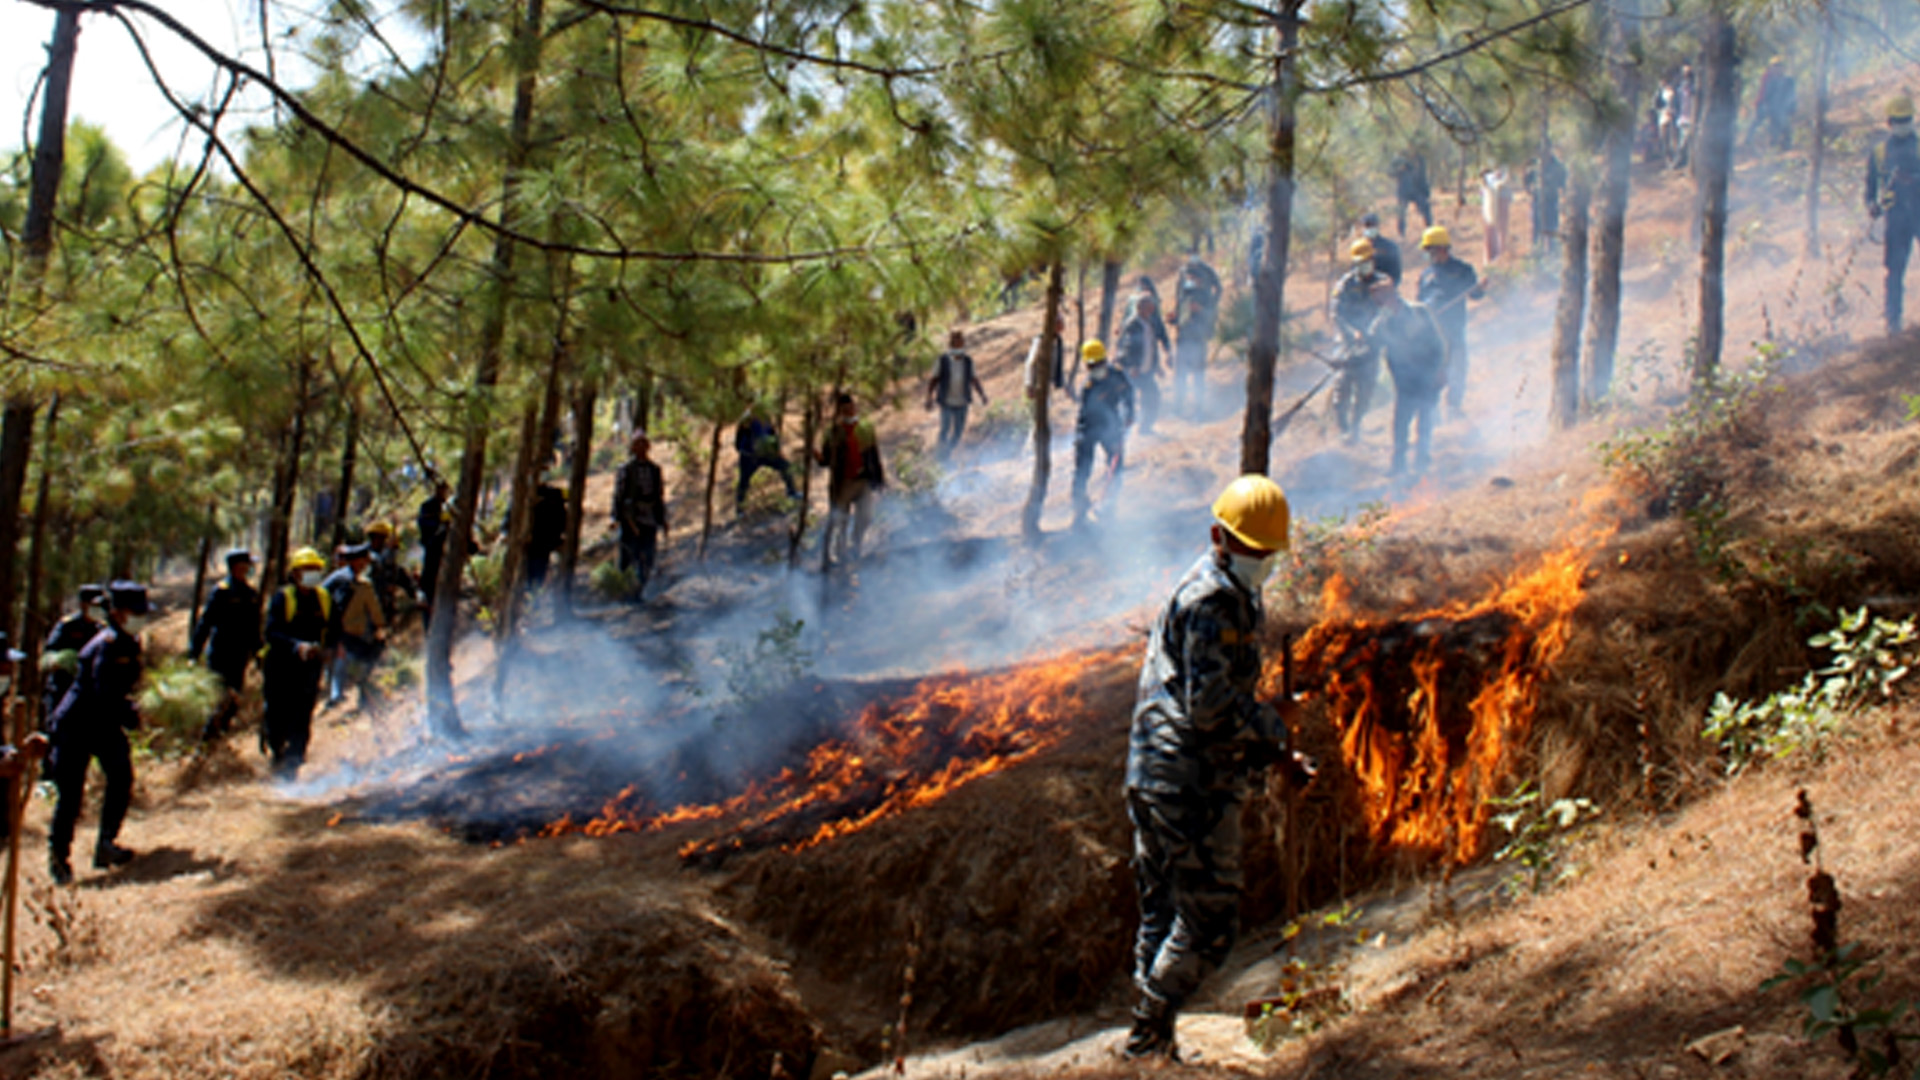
(207, 538)
(1572, 306)
(349, 458)
(1270, 287)
(1039, 393)
(1715, 169)
(1822, 98)
(35, 625)
(585, 397)
(1109, 296)
(286, 487)
(713, 479)
(443, 715)
(1610, 244)
(809, 430)
(513, 546)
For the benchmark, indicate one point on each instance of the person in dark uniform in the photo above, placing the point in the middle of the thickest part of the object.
(390, 580)
(1196, 310)
(434, 521)
(1142, 338)
(640, 510)
(1354, 310)
(1200, 737)
(91, 723)
(298, 615)
(1410, 188)
(61, 656)
(228, 636)
(1893, 191)
(1106, 412)
(549, 531)
(758, 445)
(1545, 179)
(1446, 285)
(1416, 353)
(1386, 253)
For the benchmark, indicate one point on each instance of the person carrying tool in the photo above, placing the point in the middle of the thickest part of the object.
(298, 616)
(1893, 193)
(1354, 310)
(1416, 353)
(227, 637)
(1445, 287)
(1196, 308)
(1106, 412)
(1200, 737)
(91, 723)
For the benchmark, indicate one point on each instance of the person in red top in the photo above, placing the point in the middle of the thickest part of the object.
(851, 455)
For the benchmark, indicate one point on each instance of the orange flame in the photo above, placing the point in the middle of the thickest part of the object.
(1424, 781)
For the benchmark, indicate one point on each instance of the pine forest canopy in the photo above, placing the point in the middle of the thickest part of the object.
(727, 199)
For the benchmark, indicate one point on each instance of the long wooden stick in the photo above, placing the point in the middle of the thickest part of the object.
(15, 821)
(1290, 849)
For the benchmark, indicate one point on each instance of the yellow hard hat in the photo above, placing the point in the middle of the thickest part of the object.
(1255, 511)
(380, 528)
(1093, 352)
(1900, 108)
(307, 559)
(1436, 236)
(1361, 249)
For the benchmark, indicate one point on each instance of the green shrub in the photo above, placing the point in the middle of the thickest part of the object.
(612, 582)
(175, 700)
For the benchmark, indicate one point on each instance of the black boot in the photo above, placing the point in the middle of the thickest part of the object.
(60, 870)
(109, 855)
(1152, 1034)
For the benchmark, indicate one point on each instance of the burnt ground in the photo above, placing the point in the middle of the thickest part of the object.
(269, 933)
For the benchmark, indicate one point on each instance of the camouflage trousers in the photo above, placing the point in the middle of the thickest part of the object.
(1186, 865)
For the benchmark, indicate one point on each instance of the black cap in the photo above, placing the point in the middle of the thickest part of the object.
(130, 597)
(356, 551)
(92, 594)
(235, 555)
(7, 650)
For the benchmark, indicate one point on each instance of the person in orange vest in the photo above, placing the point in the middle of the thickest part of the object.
(850, 453)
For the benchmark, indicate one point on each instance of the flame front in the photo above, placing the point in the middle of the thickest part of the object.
(1424, 762)
(900, 754)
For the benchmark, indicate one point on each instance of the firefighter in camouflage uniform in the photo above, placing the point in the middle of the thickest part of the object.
(1199, 738)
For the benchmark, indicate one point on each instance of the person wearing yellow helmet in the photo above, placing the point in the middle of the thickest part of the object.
(1353, 312)
(1893, 191)
(1106, 411)
(1446, 285)
(1200, 737)
(299, 615)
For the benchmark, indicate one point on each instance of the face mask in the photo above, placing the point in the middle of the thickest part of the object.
(1372, 233)
(1098, 373)
(312, 578)
(1364, 267)
(1249, 570)
(136, 624)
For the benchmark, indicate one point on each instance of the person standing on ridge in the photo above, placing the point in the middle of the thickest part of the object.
(227, 638)
(435, 522)
(1199, 738)
(1354, 309)
(1773, 106)
(1106, 411)
(850, 452)
(951, 389)
(1445, 287)
(1893, 192)
(1410, 188)
(1196, 309)
(1546, 178)
(1142, 336)
(91, 723)
(640, 511)
(298, 616)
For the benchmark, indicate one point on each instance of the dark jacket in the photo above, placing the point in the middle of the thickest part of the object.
(850, 451)
(228, 633)
(1893, 177)
(71, 635)
(1196, 721)
(1106, 406)
(1445, 289)
(1139, 353)
(549, 519)
(1353, 307)
(296, 615)
(433, 524)
(1386, 258)
(640, 497)
(100, 701)
(954, 366)
(1416, 354)
(754, 438)
(1197, 298)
